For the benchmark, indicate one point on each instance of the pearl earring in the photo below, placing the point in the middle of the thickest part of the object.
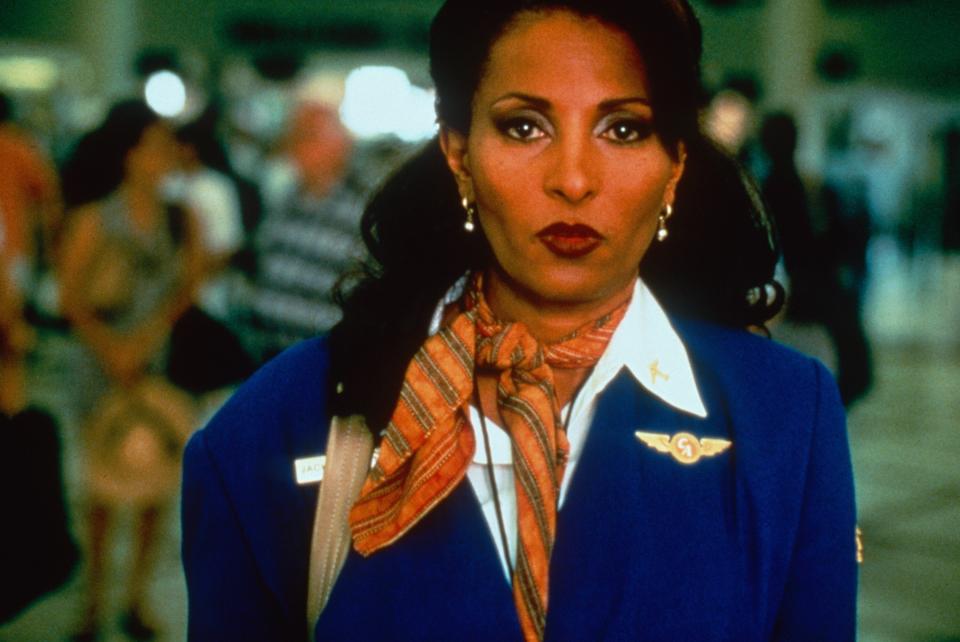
(666, 213)
(471, 209)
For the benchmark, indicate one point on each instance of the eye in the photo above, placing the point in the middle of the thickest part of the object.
(627, 131)
(523, 129)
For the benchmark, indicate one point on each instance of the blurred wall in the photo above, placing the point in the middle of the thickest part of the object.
(898, 43)
(901, 43)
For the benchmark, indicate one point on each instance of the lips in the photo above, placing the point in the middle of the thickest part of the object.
(570, 240)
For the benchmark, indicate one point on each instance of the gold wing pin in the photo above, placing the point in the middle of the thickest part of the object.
(684, 447)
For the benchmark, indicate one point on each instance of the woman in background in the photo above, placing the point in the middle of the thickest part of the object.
(129, 263)
(578, 439)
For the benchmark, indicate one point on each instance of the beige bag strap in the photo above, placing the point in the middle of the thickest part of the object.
(349, 450)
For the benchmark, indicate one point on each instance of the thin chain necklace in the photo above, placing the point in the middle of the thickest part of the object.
(489, 466)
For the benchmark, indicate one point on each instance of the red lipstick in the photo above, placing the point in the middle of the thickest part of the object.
(570, 241)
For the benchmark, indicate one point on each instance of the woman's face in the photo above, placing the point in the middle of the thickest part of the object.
(154, 155)
(562, 160)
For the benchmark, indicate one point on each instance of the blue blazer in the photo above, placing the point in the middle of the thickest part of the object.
(756, 543)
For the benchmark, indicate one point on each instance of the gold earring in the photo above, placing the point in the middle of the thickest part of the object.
(666, 213)
(471, 209)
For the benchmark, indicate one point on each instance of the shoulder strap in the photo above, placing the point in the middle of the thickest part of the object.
(349, 449)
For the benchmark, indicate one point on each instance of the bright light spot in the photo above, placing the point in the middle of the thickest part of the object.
(728, 120)
(165, 93)
(30, 73)
(380, 101)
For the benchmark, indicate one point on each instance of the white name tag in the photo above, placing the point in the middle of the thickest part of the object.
(309, 470)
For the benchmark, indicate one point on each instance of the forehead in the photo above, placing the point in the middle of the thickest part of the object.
(560, 51)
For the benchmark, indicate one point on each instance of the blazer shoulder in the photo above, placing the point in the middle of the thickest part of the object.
(773, 395)
(278, 395)
(715, 343)
(280, 412)
(242, 465)
(741, 361)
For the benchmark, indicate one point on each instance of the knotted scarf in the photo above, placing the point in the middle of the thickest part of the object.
(428, 444)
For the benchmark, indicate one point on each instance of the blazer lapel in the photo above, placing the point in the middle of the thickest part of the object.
(631, 517)
(592, 553)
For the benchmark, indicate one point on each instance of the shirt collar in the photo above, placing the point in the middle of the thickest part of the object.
(645, 343)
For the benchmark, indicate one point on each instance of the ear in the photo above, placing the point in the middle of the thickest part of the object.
(670, 193)
(454, 146)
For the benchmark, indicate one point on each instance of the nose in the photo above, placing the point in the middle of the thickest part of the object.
(572, 174)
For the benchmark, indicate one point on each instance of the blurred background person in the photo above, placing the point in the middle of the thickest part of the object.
(847, 228)
(37, 549)
(786, 195)
(310, 236)
(128, 269)
(206, 154)
(820, 263)
(39, 552)
(205, 354)
(212, 197)
(29, 202)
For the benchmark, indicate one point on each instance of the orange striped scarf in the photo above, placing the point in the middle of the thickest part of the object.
(428, 444)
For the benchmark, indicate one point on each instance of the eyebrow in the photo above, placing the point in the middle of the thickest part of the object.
(543, 103)
(613, 103)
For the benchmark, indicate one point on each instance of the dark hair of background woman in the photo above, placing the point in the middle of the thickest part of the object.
(720, 245)
(95, 166)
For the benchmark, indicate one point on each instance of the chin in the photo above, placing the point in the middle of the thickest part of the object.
(573, 287)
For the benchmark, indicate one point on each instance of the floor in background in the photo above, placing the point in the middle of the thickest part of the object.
(905, 439)
(905, 443)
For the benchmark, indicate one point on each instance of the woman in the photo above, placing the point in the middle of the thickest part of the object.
(129, 265)
(701, 473)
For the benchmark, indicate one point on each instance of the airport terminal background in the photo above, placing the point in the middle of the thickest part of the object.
(873, 87)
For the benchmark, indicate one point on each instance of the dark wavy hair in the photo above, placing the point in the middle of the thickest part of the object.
(95, 166)
(716, 265)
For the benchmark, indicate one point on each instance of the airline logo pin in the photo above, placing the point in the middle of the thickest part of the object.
(684, 447)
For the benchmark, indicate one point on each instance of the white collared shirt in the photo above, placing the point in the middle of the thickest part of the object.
(645, 343)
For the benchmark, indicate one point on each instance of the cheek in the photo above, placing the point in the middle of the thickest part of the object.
(637, 193)
(513, 206)
(505, 196)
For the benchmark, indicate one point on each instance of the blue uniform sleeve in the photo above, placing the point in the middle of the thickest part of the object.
(228, 598)
(819, 601)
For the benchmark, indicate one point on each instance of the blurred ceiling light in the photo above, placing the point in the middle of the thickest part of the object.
(28, 73)
(381, 101)
(165, 93)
